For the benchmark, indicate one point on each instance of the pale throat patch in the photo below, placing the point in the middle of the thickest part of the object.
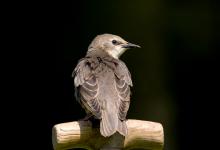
(117, 52)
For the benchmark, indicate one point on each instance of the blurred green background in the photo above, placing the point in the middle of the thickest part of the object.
(177, 58)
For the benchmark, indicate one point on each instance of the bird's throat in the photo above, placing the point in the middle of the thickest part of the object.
(116, 53)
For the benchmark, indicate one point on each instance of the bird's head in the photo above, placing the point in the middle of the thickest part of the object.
(114, 45)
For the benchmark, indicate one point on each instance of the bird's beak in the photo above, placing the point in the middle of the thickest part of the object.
(130, 45)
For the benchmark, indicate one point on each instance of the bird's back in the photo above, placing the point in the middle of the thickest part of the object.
(107, 87)
(104, 90)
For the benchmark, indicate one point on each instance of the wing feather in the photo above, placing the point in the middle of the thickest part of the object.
(87, 88)
(123, 82)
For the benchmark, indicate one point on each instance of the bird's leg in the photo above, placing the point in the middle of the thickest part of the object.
(87, 117)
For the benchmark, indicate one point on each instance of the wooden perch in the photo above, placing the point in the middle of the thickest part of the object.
(81, 134)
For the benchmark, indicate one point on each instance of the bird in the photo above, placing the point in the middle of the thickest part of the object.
(102, 83)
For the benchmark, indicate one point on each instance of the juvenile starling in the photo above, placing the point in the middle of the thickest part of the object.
(102, 83)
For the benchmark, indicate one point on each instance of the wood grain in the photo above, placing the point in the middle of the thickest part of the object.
(81, 134)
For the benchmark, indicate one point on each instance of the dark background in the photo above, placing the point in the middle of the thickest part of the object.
(174, 73)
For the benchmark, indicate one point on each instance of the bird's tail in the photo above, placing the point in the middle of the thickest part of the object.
(110, 124)
(122, 128)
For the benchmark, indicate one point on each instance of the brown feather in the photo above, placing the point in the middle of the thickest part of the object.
(103, 87)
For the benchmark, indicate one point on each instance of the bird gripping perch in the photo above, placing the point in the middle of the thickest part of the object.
(102, 86)
(81, 134)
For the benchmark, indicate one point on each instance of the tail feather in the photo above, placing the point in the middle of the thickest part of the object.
(108, 124)
(122, 128)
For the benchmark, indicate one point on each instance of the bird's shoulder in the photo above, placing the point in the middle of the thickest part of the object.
(91, 65)
(122, 72)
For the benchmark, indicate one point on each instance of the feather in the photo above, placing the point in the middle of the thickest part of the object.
(103, 89)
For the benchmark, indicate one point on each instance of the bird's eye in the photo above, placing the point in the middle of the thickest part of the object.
(114, 42)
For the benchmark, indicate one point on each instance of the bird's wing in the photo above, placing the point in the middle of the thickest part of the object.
(86, 85)
(123, 82)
